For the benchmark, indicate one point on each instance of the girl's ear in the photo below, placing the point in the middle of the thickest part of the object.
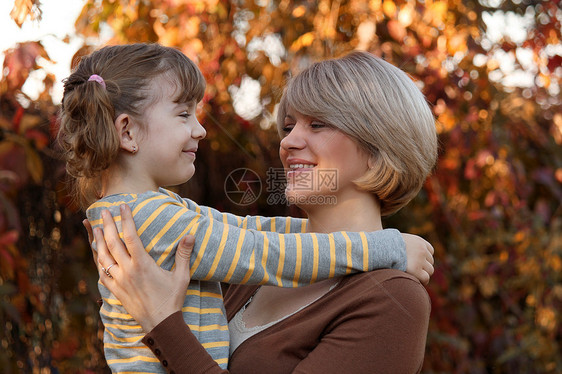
(127, 132)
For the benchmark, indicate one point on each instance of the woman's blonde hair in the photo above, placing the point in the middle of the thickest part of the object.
(381, 108)
(87, 134)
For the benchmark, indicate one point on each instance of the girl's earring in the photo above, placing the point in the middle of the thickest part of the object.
(134, 149)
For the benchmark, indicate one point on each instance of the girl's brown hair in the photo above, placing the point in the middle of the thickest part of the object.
(87, 133)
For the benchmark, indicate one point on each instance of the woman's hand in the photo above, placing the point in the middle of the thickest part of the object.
(148, 292)
(419, 257)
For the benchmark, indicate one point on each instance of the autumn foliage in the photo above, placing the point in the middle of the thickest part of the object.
(491, 208)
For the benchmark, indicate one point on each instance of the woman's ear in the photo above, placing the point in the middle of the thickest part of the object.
(371, 162)
(127, 131)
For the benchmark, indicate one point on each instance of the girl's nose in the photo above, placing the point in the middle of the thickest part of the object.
(198, 132)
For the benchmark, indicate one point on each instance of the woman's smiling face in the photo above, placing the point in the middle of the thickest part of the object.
(319, 160)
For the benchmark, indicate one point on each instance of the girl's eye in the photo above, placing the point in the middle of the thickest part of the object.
(185, 114)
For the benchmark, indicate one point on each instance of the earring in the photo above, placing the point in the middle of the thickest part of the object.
(134, 149)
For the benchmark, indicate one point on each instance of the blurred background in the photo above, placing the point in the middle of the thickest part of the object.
(491, 70)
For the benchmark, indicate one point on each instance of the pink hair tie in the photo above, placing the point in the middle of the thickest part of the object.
(97, 78)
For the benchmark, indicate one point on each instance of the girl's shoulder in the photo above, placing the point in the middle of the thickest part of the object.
(112, 202)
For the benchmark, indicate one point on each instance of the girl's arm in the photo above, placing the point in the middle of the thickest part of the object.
(419, 252)
(229, 254)
(260, 223)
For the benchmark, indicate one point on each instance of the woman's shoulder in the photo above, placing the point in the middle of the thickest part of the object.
(386, 275)
(390, 286)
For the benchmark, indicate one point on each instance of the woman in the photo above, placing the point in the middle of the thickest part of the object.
(367, 120)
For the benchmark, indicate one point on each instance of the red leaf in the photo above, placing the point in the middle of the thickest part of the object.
(10, 237)
(41, 140)
(17, 119)
(20, 61)
(554, 62)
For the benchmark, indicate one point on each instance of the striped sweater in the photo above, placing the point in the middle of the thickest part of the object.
(232, 249)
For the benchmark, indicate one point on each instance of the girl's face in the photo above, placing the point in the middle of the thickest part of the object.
(321, 162)
(168, 146)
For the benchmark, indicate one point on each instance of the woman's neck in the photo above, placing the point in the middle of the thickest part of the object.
(359, 212)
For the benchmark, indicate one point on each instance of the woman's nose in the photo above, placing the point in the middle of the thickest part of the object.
(295, 139)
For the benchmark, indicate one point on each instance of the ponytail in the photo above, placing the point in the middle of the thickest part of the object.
(87, 134)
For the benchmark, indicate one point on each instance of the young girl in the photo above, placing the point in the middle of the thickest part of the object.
(128, 127)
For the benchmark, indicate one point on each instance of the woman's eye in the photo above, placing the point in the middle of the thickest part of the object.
(287, 129)
(318, 125)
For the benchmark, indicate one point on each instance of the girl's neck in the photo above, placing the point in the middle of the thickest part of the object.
(117, 180)
(359, 212)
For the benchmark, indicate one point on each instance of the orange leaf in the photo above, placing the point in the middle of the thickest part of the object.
(396, 30)
(24, 8)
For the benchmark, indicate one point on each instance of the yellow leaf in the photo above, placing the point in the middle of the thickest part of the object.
(375, 5)
(438, 12)
(546, 318)
(28, 121)
(544, 80)
(303, 41)
(457, 43)
(389, 8)
(34, 164)
(299, 11)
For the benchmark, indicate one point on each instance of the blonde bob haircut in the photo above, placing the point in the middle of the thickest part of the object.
(381, 108)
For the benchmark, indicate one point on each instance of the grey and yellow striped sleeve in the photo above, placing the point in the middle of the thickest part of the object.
(259, 223)
(225, 253)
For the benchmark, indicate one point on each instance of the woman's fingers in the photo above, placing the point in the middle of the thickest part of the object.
(112, 239)
(88, 227)
(105, 260)
(183, 257)
(130, 236)
(430, 269)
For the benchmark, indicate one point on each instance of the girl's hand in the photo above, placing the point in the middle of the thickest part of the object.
(419, 255)
(148, 292)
